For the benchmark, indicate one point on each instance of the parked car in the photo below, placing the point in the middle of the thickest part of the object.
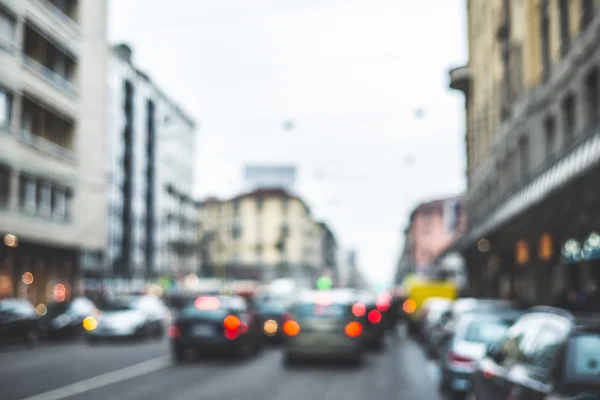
(222, 324)
(474, 333)
(547, 354)
(18, 322)
(431, 311)
(130, 317)
(65, 319)
(273, 311)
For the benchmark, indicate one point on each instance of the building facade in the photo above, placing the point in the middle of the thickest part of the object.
(433, 227)
(152, 220)
(532, 108)
(52, 136)
(263, 234)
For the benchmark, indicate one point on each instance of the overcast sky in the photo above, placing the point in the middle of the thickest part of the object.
(349, 73)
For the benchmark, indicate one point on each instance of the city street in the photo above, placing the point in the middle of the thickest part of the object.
(145, 371)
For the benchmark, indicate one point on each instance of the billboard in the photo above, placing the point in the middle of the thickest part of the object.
(270, 176)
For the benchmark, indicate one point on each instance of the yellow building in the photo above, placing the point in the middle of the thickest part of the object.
(259, 235)
(532, 100)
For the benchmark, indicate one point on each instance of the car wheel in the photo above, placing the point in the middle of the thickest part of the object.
(458, 395)
(31, 340)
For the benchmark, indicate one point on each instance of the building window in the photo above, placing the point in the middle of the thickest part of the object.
(236, 207)
(591, 88)
(4, 186)
(568, 108)
(58, 204)
(565, 29)
(587, 13)
(236, 230)
(27, 195)
(545, 37)
(550, 132)
(7, 32)
(285, 205)
(44, 199)
(6, 100)
(523, 158)
(259, 204)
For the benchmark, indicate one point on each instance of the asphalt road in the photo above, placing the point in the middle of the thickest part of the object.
(145, 371)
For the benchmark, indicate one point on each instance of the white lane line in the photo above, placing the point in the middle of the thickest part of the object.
(109, 378)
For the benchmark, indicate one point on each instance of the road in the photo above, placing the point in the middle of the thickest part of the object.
(145, 371)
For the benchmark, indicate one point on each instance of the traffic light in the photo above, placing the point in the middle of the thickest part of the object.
(324, 283)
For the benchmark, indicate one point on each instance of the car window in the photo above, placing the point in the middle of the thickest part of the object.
(321, 311)
(121, 305)
(16, 307)
(485, 331)
(82, 306)
(191, 311)
(586, 356)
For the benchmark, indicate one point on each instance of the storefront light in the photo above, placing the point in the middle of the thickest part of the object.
(11, 240)
(484, 245)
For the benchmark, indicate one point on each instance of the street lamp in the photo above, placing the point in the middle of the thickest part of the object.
(11, 240)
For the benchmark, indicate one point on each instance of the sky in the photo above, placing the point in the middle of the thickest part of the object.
(350, 74)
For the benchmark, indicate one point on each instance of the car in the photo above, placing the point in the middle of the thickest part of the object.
(474, 332)
(65, 319)
(273, 312)
(444, 329)
(224, 324)
(19, 322)
(548, 353)
(372, 320)
(128, 317)
(431, 311)
(321, 325)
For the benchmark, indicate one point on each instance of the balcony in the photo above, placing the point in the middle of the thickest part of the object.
(460, 79)
(50, 62)
(64, 13)
(47, 131)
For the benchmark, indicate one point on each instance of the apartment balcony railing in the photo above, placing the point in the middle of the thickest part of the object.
(56, 80)
(47, 146)
(59, 16)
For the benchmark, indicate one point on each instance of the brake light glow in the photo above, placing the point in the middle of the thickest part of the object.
(409, 306)
(173, 332)
(207, 303)
(243, 328)
(353, 329)
(460, 361)
(488, 374)
(231, 322)
(359, 309)
(374, 316)
(291, 328)
(383, 302)
(323, 299)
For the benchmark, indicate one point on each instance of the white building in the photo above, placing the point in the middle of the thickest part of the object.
(52, 136)
(152, 220)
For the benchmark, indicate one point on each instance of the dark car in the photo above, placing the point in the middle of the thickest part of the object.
(64, 319)
(273, 312)
(474, 333)
(372, 320)
(18, 322)
(224, 324)
(546, 354)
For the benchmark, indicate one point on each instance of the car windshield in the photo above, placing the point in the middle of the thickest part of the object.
(191, 311)
(485, 331)
(55, 309)
(121, 305)
(321, 311)
(272, 307)
(586, 362)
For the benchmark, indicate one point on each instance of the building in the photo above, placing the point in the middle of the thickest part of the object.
(152, 218)
(328, 250)
(433, 227)
(262, 234)
(532, 107)
(52, 136)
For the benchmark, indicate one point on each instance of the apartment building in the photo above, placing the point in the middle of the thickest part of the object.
(533, 145)
(152, 228)
(52, 157)
(262, 234)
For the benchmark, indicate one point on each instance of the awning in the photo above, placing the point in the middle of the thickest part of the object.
(581, 158)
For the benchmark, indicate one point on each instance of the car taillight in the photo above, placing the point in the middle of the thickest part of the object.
(358, 310)
(374, 316)
(458, 360)
(173, 332)
(409, 306)
(353, 329)
(291, 328)
(231, 324)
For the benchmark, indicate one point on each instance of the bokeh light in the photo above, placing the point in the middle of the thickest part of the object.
(41, 309)
(90, 323)
(11, 240)
(270, 327)
(27, 278)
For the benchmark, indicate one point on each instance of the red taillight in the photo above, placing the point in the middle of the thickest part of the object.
(353, 329)
(488, 374)
(459, 360)
(232, 325)
(359, 310)
(383, 303)
(173, 332)
(374, 316)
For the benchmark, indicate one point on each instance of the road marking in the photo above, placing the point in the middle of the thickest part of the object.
(109, 378)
